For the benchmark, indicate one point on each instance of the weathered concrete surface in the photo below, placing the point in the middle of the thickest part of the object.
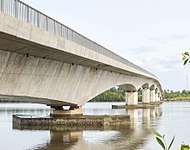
(43, 80)
(82, 120)
(19, 36)
(139, 106)
(146, 95)
(131, 98)
(77, 111)
(38, 66)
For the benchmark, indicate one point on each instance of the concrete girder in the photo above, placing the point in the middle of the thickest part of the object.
(45, 68)
(128, 87)
(146, 85)
(152, 87)
(54, 81)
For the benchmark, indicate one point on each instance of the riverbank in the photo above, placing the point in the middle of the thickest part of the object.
(177, 100)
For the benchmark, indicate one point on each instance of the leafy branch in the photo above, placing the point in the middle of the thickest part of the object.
(162, 142)
(185, 58)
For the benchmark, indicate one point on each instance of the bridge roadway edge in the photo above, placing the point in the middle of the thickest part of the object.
(48, 43)
(68, 52)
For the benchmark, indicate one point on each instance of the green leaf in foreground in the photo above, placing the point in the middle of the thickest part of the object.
(185, 61)
(184, 57)
(157, 134)
(160, 142)
(185, 147)
(186, 53)
(171, 143)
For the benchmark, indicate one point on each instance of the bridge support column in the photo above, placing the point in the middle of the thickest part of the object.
(152, 96)
(157, 97)
(59, 111)
(131, 98)
(146, 95)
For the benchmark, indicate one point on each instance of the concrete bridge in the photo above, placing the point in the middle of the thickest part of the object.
(44, 61)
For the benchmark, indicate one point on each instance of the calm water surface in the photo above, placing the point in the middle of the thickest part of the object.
(171, 119)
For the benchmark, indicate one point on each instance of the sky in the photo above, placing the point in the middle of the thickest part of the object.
(150, 33)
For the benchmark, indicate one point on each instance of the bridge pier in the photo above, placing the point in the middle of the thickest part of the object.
(131, 98)
(146, 95)
(156, 97)
(152, 95)
(60, 111)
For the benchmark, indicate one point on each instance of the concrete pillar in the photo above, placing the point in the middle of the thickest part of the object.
(131, 98)
(160, 98)
(156, 97)
(59, 111)
(152, 96)
(146, 95)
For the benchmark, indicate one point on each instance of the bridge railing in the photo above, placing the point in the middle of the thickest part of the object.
(30, 15)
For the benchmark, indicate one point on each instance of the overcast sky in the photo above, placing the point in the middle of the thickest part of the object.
(149, 33)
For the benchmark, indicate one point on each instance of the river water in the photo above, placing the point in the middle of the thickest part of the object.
(171, 119)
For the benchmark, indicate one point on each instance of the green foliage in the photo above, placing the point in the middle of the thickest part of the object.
(177, 95)
(156, 133)
(185, 147)
(114, 95)
(162, 142)
(185, 58)
(111, 95)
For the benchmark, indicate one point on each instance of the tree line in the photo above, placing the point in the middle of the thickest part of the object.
(118, 95)
(177, 95)
(114, 95)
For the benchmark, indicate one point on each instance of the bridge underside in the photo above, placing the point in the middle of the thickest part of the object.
(15, 44)
(38, 66)
(25, 99)
(32, 79)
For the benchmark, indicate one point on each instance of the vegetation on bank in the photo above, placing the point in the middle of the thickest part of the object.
(177, 95)
(114, 95)
(118, 95)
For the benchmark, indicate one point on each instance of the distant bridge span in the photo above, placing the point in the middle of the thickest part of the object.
(43, 61)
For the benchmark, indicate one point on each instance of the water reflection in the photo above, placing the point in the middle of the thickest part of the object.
(143, 116)
(94, 139)
(129, 137)
(172, 118)
(62, 140)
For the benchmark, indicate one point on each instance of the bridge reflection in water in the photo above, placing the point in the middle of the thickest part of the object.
(129, 137)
